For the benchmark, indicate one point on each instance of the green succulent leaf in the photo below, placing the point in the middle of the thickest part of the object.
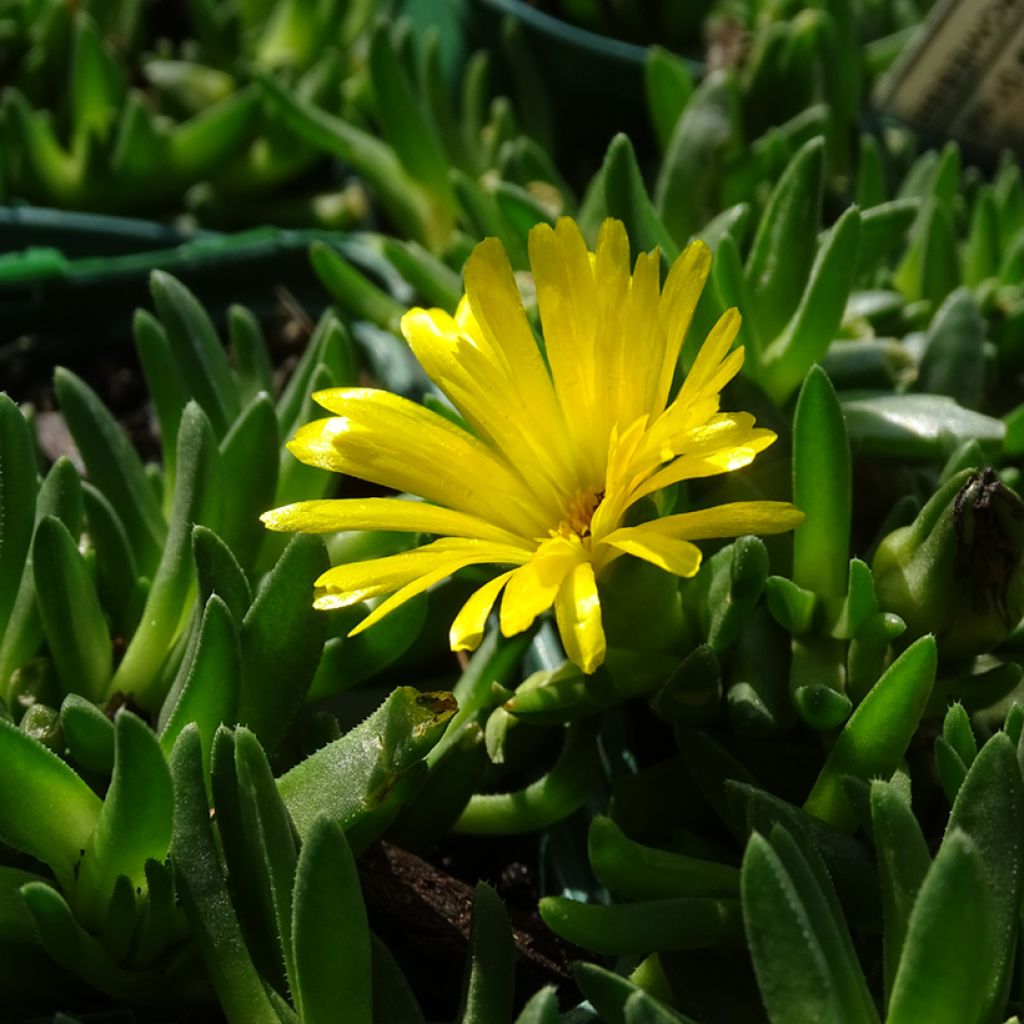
(903, 863)
(61, 496)
(785, 244)
(281, 637)
(113, 467)
(489, 986)
(199, 875)
(116, 570)
(405, 123)
(616, 998)
(197, 351)
(805, 338)
(878, 732)
(641, 872)
(37, 780)
(626, 198)
(669, 87)
(704, 135)
(249, 476)
(71, 946)
(270, 830)
(251, 359)
(541, 1009)
(945, 971)
(821, 489)
(904, 426)
(17, 502)
(989, 810)
(330, 937)
(73, 621)
(247, 870)
(88, 733)
(802, 953)
(355, 774)
(165, 384)
(197, 500)
(134, 825)
(209, 694)
(352, 290)
(694, 922)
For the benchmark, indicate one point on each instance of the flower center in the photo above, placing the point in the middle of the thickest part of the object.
(579, 514)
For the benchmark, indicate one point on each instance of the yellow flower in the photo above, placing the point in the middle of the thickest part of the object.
(557, 452)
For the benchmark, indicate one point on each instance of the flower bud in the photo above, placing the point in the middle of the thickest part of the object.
(957, 570)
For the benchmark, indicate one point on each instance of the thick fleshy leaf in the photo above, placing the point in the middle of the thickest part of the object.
(786, 240)
(281, 639)
(821, 489)
(73, 621)
(952, 362)
(989, 810)
(348, 778)
(795, 939)
(197, 351)
(17, 502)
(249, 476)
(903, 863)
(697, 922)
(37, 779)
(71, 946)
(113, 467)
(669, 86)
(199, 875)
(490, 982)
(209, 695)
(877, 734)
(135, 823)
(945, 971)
(782, 365)
(88, 733)
(196, 501)
(552, 797)
(330, 937)
(916, 426)
(541, 1009)
(702, 137)
(60, 496)
(644, 872)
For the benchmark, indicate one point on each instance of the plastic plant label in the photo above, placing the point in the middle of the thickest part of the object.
(963, 76)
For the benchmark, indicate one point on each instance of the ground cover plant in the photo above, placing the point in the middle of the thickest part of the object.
(638, 636)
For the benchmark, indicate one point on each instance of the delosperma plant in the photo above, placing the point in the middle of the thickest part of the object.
(638, 636)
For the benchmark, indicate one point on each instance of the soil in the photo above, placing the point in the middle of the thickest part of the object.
(423, 914)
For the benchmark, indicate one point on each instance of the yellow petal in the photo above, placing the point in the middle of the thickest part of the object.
(731, 520)
(529, 435)
(578, 614)
(357, 581)
(658, 547)
(329, 515)
(683, 288)
(614, 385)
(407, 593)
(500, 319)
(468, 628)
(566, 297)
(714, 350)
(711, 462)
(389, 440)
(642, 343)
(532, 588)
